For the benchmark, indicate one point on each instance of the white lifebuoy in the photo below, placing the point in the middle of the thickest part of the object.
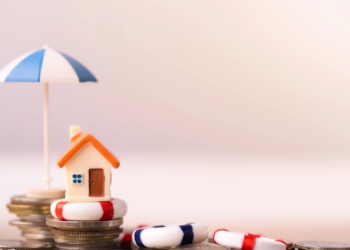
(170, 235)
(238, 240)
(102, 210)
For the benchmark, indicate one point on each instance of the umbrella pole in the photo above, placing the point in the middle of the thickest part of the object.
(47, 178)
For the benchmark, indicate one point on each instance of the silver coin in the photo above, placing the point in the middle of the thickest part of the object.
(23, 200)
(91, 229)
(45, 234)
(321, 245)
(53, 222)
(44, 241)
(43, 229)
(21, 223)
(34, 236)
(35, 230)
(114, 232)
(38, 229)
(86, 246)
(75, 248)
(23, 245)
(83, 243)
(63, 241)
(33, 217)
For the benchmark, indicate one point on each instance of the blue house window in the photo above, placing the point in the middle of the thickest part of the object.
(77, 179)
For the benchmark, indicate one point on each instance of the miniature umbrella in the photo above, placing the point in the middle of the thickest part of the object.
(46, 66)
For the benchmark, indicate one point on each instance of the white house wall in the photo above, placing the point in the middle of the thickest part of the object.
(86, 158)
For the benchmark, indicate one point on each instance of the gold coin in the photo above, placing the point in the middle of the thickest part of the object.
(17, 206)
(29, 209)
(30, 212)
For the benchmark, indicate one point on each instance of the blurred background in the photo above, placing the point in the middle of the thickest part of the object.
(233, 113)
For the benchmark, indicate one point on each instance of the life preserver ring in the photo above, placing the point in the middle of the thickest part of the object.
(101, 210)
(170, 235)
(244, 241)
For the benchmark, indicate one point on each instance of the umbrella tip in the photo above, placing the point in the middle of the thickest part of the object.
(45, 46)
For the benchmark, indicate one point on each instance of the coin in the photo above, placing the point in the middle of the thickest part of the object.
(32, 213)
(62, 241)
(91, 229)
(85, 238)
(35, 229)
(24, 207)
(79, 242)
(33, 236)
(321, 245)
(21, 223)
(76, 248)
(33, 217)
(27, 207)
(88, 245)
(44, 228)
(23, 200)
(22, 245)
(29, 212)
(114, 232)
(53, 222)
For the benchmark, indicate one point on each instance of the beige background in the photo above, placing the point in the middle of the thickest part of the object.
(238, 110)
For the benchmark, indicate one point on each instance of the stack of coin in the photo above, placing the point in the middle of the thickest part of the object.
(32, 214)
(71, 235)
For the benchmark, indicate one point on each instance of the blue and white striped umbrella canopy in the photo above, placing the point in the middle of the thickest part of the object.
(48, 66)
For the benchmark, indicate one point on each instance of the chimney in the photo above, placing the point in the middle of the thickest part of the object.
(74, 132)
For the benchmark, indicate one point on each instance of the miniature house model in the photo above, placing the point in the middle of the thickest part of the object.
(88, 168)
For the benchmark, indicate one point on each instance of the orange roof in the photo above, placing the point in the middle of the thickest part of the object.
(78, 142)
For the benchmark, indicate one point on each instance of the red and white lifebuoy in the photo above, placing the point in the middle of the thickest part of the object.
(101, 210)
(244, 241)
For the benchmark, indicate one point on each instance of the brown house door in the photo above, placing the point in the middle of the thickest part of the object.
(96, 182)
